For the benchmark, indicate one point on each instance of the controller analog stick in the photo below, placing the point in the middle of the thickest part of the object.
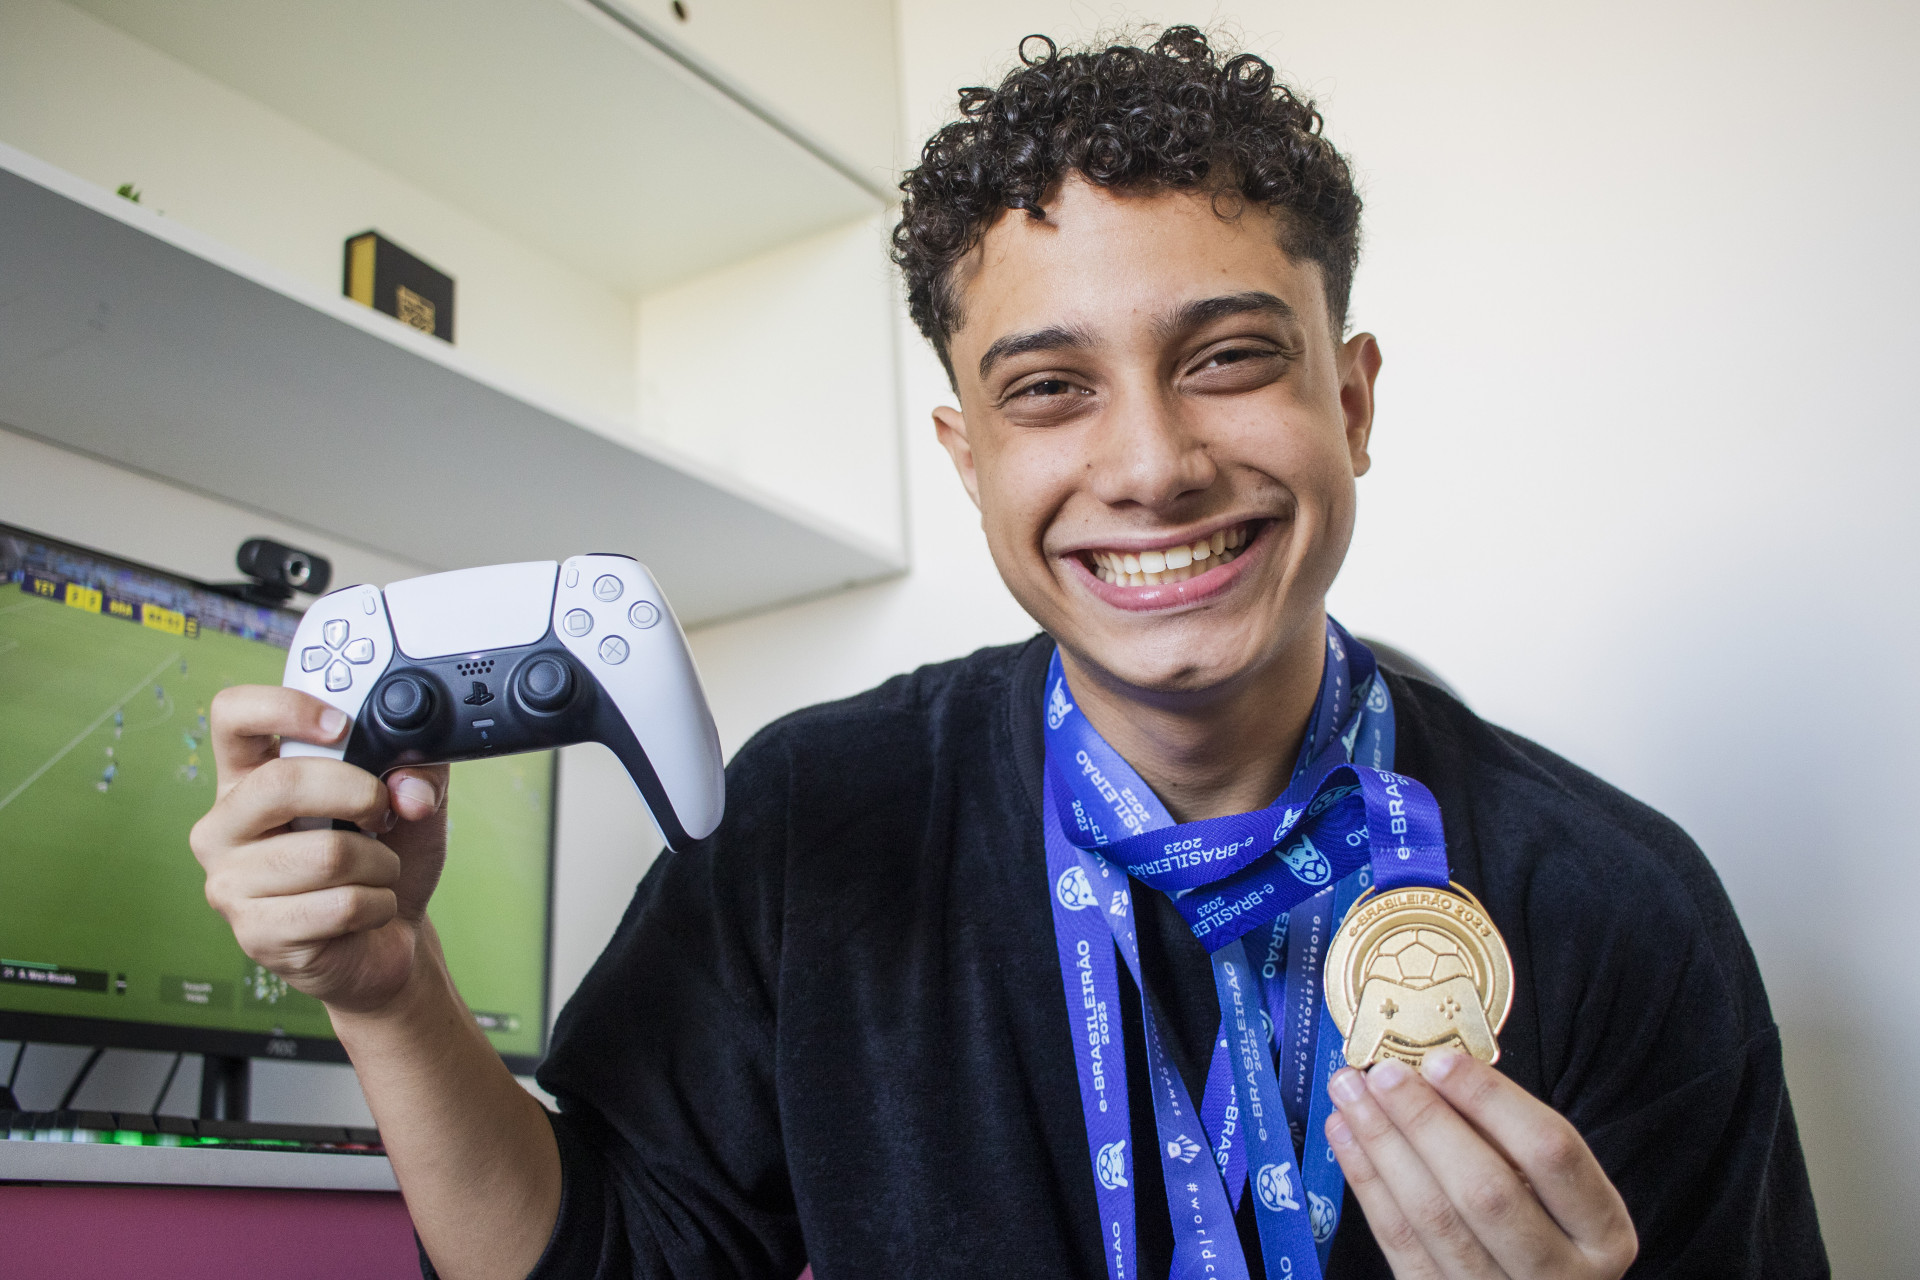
(546, 684)
(405, 703)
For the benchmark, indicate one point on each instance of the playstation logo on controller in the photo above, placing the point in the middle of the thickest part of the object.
(479, 697)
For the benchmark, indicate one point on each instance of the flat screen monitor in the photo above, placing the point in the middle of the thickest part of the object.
(107, 671)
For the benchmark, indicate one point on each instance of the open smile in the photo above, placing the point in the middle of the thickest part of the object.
(1171, 573)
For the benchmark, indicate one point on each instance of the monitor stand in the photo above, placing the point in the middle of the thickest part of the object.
(224, 1087)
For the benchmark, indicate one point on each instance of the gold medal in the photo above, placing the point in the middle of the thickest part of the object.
(1418, 969)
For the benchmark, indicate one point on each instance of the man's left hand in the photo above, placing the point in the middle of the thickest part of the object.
(1462, 1173)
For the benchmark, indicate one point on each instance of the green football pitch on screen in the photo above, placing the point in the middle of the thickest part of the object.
(104, 768)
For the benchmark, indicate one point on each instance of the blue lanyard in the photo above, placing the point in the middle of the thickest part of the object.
(1279, 878)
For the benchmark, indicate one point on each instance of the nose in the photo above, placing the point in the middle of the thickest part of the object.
(1147, 455)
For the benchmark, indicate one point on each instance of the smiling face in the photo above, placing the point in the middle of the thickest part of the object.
(1162, 434)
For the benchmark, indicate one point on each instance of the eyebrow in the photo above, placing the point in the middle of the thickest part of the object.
(1053, 338)
(1204, 311)
(1190, 316)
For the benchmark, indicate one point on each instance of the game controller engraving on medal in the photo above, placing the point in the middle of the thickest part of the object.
(1415, 970)
(518, 657)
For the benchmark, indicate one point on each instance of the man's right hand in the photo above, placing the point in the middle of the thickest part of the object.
(341, 915)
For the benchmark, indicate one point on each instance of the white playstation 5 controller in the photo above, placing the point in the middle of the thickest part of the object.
(518, 657)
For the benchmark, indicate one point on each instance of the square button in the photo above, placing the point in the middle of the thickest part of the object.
(335, 633)
(313, 658)
(577, 622)
(338, 677)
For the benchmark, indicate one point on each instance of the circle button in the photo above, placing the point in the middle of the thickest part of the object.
(613, 651)
(608, 587)
(643, 614)
(577, 622)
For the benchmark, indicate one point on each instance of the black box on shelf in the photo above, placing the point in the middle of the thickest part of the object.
(382, 275)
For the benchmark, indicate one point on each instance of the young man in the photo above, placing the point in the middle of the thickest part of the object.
(863, 1025)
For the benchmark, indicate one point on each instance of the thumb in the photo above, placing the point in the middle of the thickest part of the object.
(419, 836)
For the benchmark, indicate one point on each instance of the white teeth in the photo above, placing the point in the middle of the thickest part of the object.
(1171, 564)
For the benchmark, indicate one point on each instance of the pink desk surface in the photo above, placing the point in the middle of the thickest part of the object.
(54, 1232)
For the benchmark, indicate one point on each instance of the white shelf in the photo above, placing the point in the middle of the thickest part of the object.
(192, 1166)
(128, 337)
(574, 132)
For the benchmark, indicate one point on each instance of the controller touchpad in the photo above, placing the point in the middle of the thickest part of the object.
(503, 606)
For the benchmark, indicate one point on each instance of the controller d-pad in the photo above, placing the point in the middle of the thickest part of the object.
(339, 677)
(359, 652)
(313, 658)
(335, 633)
(607, 587)
(577, 622)
(613, 651)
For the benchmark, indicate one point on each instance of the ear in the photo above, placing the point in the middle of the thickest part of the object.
(1359, 365)
(951, 427)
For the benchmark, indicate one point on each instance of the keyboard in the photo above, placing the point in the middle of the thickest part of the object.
(110, 1147)
(126, 1129)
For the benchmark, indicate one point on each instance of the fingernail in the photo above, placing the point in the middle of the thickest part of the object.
(333, 721)
(417, 792)
(388, 820)
(1337, 1131)
(1438, 1066)
(1388, 1074)
(1346, 1086)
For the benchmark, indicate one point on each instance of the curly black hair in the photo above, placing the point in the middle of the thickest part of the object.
(1177, 114)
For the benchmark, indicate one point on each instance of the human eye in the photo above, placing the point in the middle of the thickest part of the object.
(1237, 366)
(1045, 398)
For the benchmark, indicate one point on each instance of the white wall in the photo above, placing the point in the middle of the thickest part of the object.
(779, 370)
(1643, 459)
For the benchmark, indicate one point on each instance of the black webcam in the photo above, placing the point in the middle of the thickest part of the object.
(275, 571)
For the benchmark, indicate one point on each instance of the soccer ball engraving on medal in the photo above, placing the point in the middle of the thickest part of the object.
(1415, 970)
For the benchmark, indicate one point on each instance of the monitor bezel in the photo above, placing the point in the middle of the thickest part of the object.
(167, 1037)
